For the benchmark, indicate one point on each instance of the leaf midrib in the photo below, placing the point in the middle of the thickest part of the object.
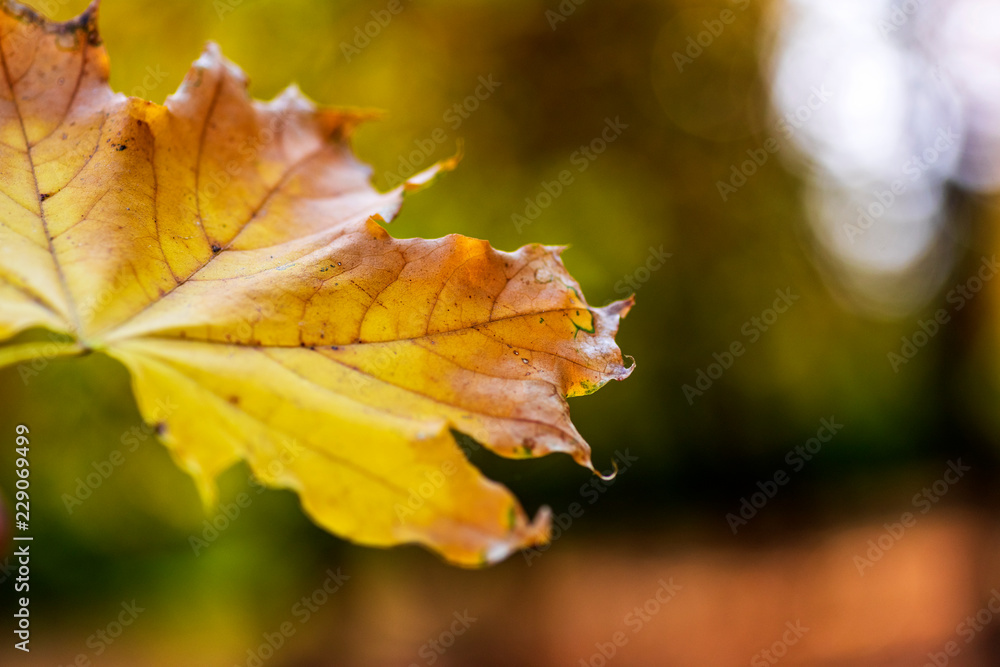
(72, 311)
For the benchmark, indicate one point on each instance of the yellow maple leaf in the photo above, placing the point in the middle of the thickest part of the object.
(229, 253)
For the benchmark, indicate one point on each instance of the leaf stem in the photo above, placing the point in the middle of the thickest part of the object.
(13, 354)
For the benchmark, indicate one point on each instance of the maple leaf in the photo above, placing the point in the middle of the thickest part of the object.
(229, 253)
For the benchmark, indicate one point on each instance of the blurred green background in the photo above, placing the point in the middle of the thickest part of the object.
(654, 187)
